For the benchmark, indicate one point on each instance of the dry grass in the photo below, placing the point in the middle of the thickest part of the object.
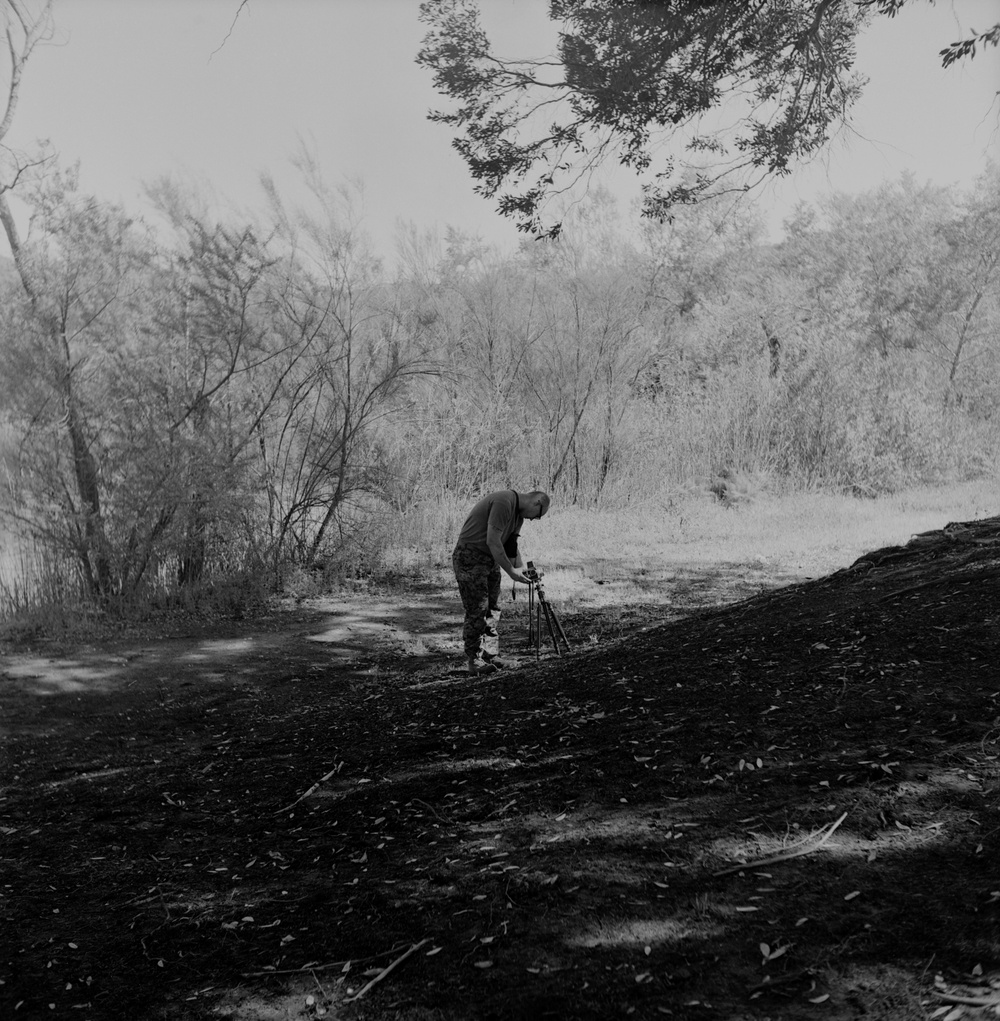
(814, 533)
(593, 558)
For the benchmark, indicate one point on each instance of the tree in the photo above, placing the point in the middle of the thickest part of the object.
(970, 281)
(631, 76)
(66, 353)
(348, 356)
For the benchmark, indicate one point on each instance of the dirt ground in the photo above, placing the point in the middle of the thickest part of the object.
(785, 806)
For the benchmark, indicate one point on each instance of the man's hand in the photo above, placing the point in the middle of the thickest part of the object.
(518, 576)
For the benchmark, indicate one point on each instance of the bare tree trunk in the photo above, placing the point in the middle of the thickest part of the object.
(774, 349)
(92, 548)
(989, 261)
(191, 566)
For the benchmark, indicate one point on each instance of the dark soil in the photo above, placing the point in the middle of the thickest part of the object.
(258, 820)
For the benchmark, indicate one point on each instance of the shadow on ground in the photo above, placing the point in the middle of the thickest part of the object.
(784, 807)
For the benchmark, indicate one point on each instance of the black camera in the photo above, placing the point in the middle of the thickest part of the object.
(530, 571)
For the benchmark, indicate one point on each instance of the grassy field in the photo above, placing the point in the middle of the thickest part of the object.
(593, 557)
(818, 531)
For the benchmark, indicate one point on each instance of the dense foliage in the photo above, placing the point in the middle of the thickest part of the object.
(212, 400)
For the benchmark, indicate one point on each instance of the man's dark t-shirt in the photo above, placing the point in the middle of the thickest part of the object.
(498, 511)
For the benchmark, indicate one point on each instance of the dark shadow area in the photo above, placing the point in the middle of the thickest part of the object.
(577, 838)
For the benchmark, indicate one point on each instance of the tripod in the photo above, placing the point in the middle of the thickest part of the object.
(539, 607)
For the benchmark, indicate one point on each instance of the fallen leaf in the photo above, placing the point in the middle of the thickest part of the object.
(819, 999)
(852, 895)
(432, 951)
(484, 964)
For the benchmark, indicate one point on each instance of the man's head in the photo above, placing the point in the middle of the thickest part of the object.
(534, 505)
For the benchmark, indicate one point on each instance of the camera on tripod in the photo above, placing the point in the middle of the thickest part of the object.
(539, 609)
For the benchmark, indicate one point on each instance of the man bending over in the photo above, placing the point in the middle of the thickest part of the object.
(486, 546)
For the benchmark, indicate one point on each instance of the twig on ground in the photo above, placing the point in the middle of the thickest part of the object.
(500, 811)
(319, 986)
(307, 969)
(787, 855)
(434, 812)
(968, 1001)
(315, 786)
(385, 971)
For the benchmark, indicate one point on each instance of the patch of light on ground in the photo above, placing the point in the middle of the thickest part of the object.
(641, 932)
(220, 647)
(57, 677)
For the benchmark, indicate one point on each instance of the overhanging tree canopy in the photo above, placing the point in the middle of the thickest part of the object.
(649, 83)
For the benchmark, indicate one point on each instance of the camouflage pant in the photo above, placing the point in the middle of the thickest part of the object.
(478, 577)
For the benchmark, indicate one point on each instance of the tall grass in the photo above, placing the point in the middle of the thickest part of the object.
(37, 588)
(812, 530)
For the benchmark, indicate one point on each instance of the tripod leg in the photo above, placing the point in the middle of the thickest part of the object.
(562, 634)
(548, 623)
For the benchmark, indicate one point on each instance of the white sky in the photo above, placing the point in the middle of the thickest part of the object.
(136, 89)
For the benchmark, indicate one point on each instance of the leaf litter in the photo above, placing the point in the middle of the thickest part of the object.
(347, 806)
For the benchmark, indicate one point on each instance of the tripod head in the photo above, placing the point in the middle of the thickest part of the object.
(535, 577)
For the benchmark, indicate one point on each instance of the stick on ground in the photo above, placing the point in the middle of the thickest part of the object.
(385, 971)
(315, 786)
(787, 855)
